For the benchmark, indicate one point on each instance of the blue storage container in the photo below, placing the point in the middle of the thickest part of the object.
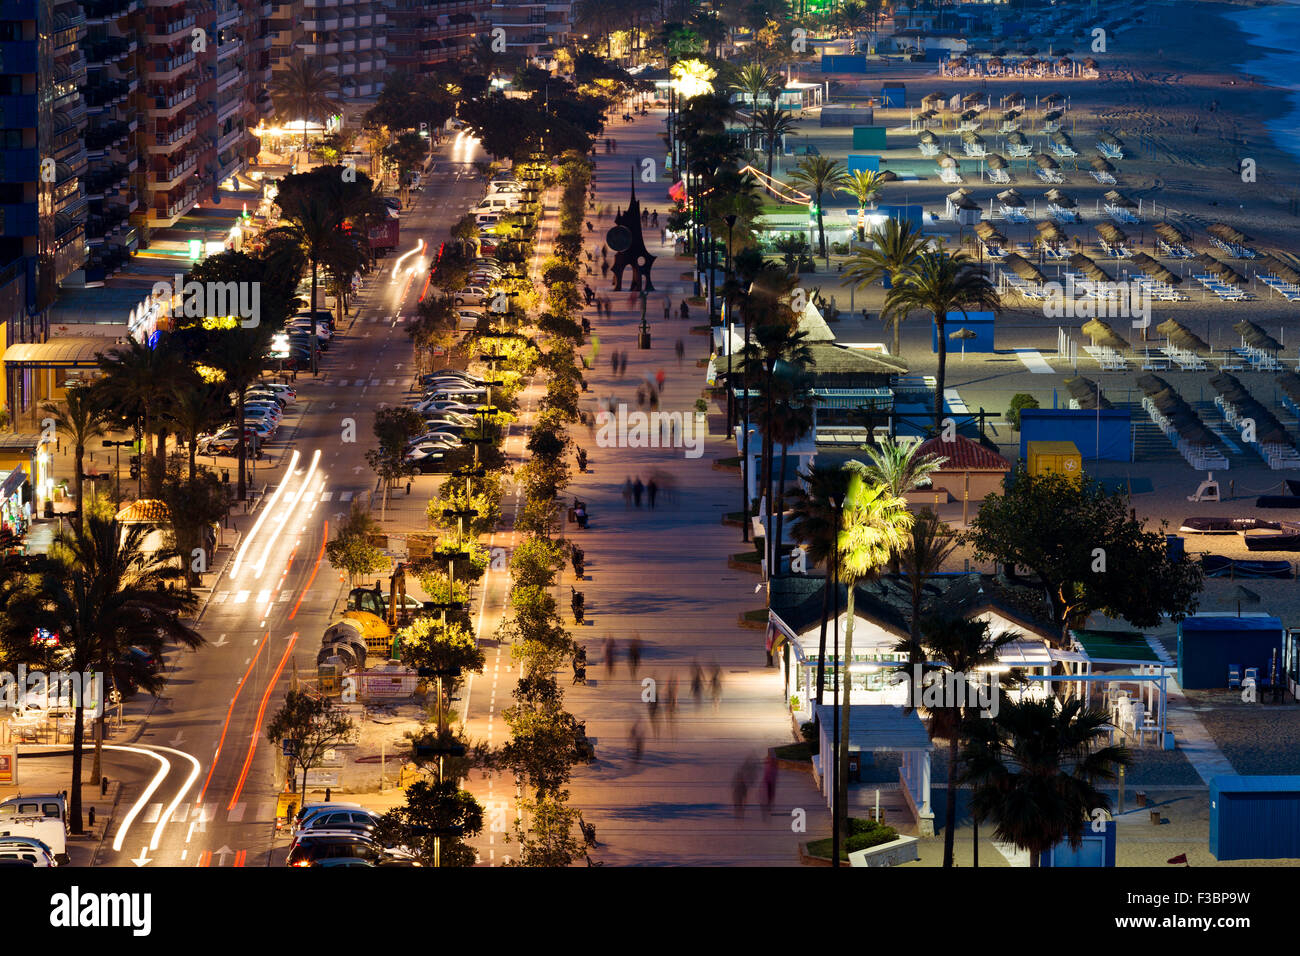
(1097, 849)
(1208, 644)
(1113, 427)
(1255, 817)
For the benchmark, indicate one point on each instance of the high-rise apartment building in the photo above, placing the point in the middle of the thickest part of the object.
(532, 26)
(425, 33)
(346, 37)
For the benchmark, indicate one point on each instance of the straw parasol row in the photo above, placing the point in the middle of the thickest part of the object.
(960, 199)
(1116, 198)
(944, 159)
(987, 233)
(1052, 116)
(1085, 392)
(1054, 195)
(1100, 164)
(1191, 430)
(995, 161)
(1012, 199)
(1289, 382)
(1226, 233)
(1113, 234)
(1180, 336)
(928, 137)
(1154, 269)
(1050, 233)
(1046, 162)
(1275, 266)
(1103, 335)
(1221, 269)
(1268, 430)
(1017, 139)
(1081, 263)
(1110, 140)
(1256, 337)
(1171, 233)
(1024, 268)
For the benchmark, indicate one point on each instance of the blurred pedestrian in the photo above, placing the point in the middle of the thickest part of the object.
(659, 379)
(622, 363)
(613, 361)
(652, 710)
(668, 310)
(681, 349)
(634, 654)
(715, 685)
(686, 311)
(651, 490)
(739, 791)
(769, 783)
(627, 492)
(654, 218)
(604, 270)
(697, 681)
(636, 740)
(638, 489)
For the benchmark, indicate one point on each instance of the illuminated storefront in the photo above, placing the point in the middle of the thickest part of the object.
(15, 503)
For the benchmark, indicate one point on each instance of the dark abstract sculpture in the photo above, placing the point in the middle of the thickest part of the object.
(629, 246)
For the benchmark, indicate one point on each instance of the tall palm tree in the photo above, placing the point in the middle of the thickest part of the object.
(865, 186)
(774, 123)
(873, 524)
(240, 355)
(928, 547)
(791, 419)
(102, 593)
(1035, 770)
(304, 90)
(814, 517)
(897, 466)
(194, 409)
(821, 176)
(939, 283)
(82, 419)
(895, 247)
(137, 376)
(311, 222)
(756, 80)
(968, 649)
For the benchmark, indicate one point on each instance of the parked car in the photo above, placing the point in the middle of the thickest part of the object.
(311, 808)
(224, 442)
(26, 851)
(357, 819)
(428, 462)
(331, 844)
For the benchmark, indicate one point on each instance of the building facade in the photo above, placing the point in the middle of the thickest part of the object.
(425, 33)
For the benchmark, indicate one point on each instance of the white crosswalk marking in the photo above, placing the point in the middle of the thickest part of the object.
(345, 496)
(179, 814)
(207, 812)
(391, 381)
(221, 597)
(286, 596)
(263, 596)
(326, 495)
(236, 813)
(374, 381)
(152, 813)
(242, 596)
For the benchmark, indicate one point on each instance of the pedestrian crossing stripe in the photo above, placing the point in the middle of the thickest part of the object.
(236, 813)
(326, 495)
(374, 381)
(286, 596)
(345, 496)
(221, 598)
(391, 381)
(242, 596)
(263, 596)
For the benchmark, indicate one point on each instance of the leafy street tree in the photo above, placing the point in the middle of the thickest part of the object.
(82, 420)
(102, 593)
(427, 642)
(394, 427)
(1036, 770)
(434, 823)
(543, 748)
(352, 550)
(1087, 548)
(307, 726)
(549, 839)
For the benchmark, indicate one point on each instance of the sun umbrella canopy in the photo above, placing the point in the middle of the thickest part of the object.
(1182, 337)
(1012, 198)
(1277, 267)
(1103, 335)
(1100, 164)
(1050, 231)
(946, 160)
(1081, 263)
(1086, 393)
(963, 333)
(987, 232)
(1256, 337)
(1051, 116)
(1109, 139)
(1116, 198)
(1170, 233)
(1110, 232)
(1059, 198)
(996, 161)
(1154, 269)
(1046, 162)
(1223, 231)
(1024, 268)
(1221, 269)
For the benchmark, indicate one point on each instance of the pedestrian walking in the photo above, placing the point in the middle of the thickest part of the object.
(652, 709)
(769, 784)
(697, 682)
(604, 270)
(651, 491)
(645, 218)
(686, 311)
(654, 218)
(668, 311)
(659, 379)
(634, 654)
(613, 361)
(627, 492)
(636, 741)
(715, 686)
(739, 792)
(622, 364)
(638, 489)
(681, 351)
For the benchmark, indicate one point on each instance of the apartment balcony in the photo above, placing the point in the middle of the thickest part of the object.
(165, 143)
(163, 4)
(169, 68)
(167, 105)
(165, 180)
(230, 108)
(228, 17)
(108, 136)
(162, 217)
(321, 24)
(229, 77)
(107, 11)
(227, 140)
(160, 32)
(229, 48)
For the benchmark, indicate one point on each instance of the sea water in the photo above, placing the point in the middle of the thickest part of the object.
(1275, 33)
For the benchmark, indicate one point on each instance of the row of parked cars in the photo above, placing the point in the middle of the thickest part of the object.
(264, 405)
(450, 402)
(341, 834)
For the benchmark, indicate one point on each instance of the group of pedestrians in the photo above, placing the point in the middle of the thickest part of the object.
(603, 306)
(745, 778)
(650, 217)
(618, 363)
(635, 490)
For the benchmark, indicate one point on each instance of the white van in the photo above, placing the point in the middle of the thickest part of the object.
(48, 805)
(48, 830)
(501, 202)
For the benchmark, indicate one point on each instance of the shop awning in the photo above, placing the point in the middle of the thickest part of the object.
(58, 353)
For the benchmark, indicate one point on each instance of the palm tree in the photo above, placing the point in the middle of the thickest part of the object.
(895, 247)
(939, 283)
(102, 593)
(240, 355)
(304, 90)
(82, 419)
(194, 409)
(774, 123)
(930, 545)
(865, 186)
(873, 524)
(791, 419)
(821, 176)
(896, 465)
(139, 377)
(853, 17)
(312, 224)
(814, 523)
(1035, 768)
(968, 649)
(486, 56)
(755, 80)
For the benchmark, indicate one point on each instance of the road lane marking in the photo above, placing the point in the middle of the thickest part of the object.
(226, 726)
(242, 597)
(261, 714)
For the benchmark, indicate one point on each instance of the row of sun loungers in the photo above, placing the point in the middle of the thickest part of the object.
(1181, 424)
(1258, 426)
(1228, 293)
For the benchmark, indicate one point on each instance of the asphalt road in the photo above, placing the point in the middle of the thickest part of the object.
(199, 788)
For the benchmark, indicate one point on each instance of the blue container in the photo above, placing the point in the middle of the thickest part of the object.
(1209, 644)
(1097, 849)
(1255, 818)
(981, 323)
(1081, 427)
